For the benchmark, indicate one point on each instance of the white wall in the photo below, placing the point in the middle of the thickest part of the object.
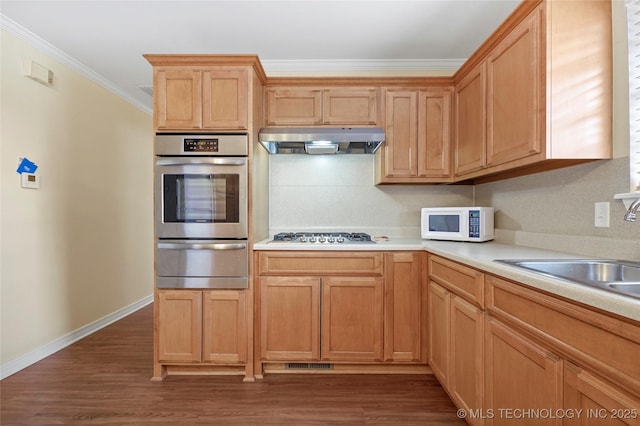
(81, 247)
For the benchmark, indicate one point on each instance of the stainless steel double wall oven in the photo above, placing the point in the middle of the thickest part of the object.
(201, 210)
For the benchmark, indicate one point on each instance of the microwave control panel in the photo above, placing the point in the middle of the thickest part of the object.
(474, 223)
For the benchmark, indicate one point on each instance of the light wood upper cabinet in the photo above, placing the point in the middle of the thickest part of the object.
(225, 99)
(200, 98)
(515, 94)
(294, 106)
(346, 106)
(177, 98)
(537, 95)
(418, 127)
(470, 118)
(339, 106)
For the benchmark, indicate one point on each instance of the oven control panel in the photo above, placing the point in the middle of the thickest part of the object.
(201, 145)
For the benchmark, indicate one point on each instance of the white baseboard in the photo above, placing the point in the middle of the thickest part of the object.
(50, 348)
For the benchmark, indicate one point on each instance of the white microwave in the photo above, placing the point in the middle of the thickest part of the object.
(457, 223)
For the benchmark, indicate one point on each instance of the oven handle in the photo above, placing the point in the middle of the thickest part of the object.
(218, 161)
(199, 246)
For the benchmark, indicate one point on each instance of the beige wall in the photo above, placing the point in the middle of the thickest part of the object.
(80, 247)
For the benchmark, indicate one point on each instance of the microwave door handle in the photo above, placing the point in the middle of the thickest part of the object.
(200, 246)
(215, 161)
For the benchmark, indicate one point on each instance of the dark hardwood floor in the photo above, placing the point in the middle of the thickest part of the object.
(104, 379)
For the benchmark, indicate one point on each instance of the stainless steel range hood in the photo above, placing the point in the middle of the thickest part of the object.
(321, 140)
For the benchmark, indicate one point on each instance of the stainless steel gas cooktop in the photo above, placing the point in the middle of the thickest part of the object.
(323, 238)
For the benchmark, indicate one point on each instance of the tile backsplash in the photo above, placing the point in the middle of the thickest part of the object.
(337, 193)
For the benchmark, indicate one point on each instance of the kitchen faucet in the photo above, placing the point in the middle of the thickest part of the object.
(630, 216)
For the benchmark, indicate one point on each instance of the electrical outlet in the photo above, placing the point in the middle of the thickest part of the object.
(602, 215)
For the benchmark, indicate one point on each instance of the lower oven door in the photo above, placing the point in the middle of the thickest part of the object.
(202, 264)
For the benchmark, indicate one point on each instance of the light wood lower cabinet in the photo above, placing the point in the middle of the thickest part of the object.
(593, 401)
(351, 319)
(201, 326)
(520, 375)
(456, 347)
(509, 354)
(344, 307)
(466, 376)
(405, 307)
(290, 318)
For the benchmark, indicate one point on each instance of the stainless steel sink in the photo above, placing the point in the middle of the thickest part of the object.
(618, 276)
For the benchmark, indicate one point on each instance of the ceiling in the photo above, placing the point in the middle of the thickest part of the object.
(108, 38)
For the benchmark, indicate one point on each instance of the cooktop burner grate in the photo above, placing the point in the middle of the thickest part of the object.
(323, 237)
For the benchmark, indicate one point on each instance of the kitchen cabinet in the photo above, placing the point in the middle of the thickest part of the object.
(352, 318)
(519, 374)
(347, 307)
(598, 402)
(200, 326)
(290, 318)
(523, 105)
(193, 98)
(418, 126)
(470, 118)
(339, 106)
(294, 286)
(405, 303)
(456, 331)
(600, 342)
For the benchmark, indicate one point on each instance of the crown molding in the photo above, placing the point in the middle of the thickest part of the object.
(17, 30)
(350, 65)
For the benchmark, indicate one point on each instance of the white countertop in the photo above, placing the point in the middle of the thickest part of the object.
(482, 256)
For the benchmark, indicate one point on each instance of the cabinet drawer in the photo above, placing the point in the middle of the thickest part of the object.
(330, 263)
(462, 280)
(608, 345)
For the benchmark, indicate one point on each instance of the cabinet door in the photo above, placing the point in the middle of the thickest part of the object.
(519, 374)
(179, 325)
(597, 402)
(177, 98)
(405, 304)
(401, 126)
(470, 101)
(439, 331)
(224, 333)
(350, 106)
(466, 373)
(297, 106)
(434, 133)
(515, 94)
(290, 318)
(225, 99)
(352, 318)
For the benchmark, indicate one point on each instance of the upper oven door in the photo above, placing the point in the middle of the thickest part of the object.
(203, 197)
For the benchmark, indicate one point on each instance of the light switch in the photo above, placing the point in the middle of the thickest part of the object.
(602, 215)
